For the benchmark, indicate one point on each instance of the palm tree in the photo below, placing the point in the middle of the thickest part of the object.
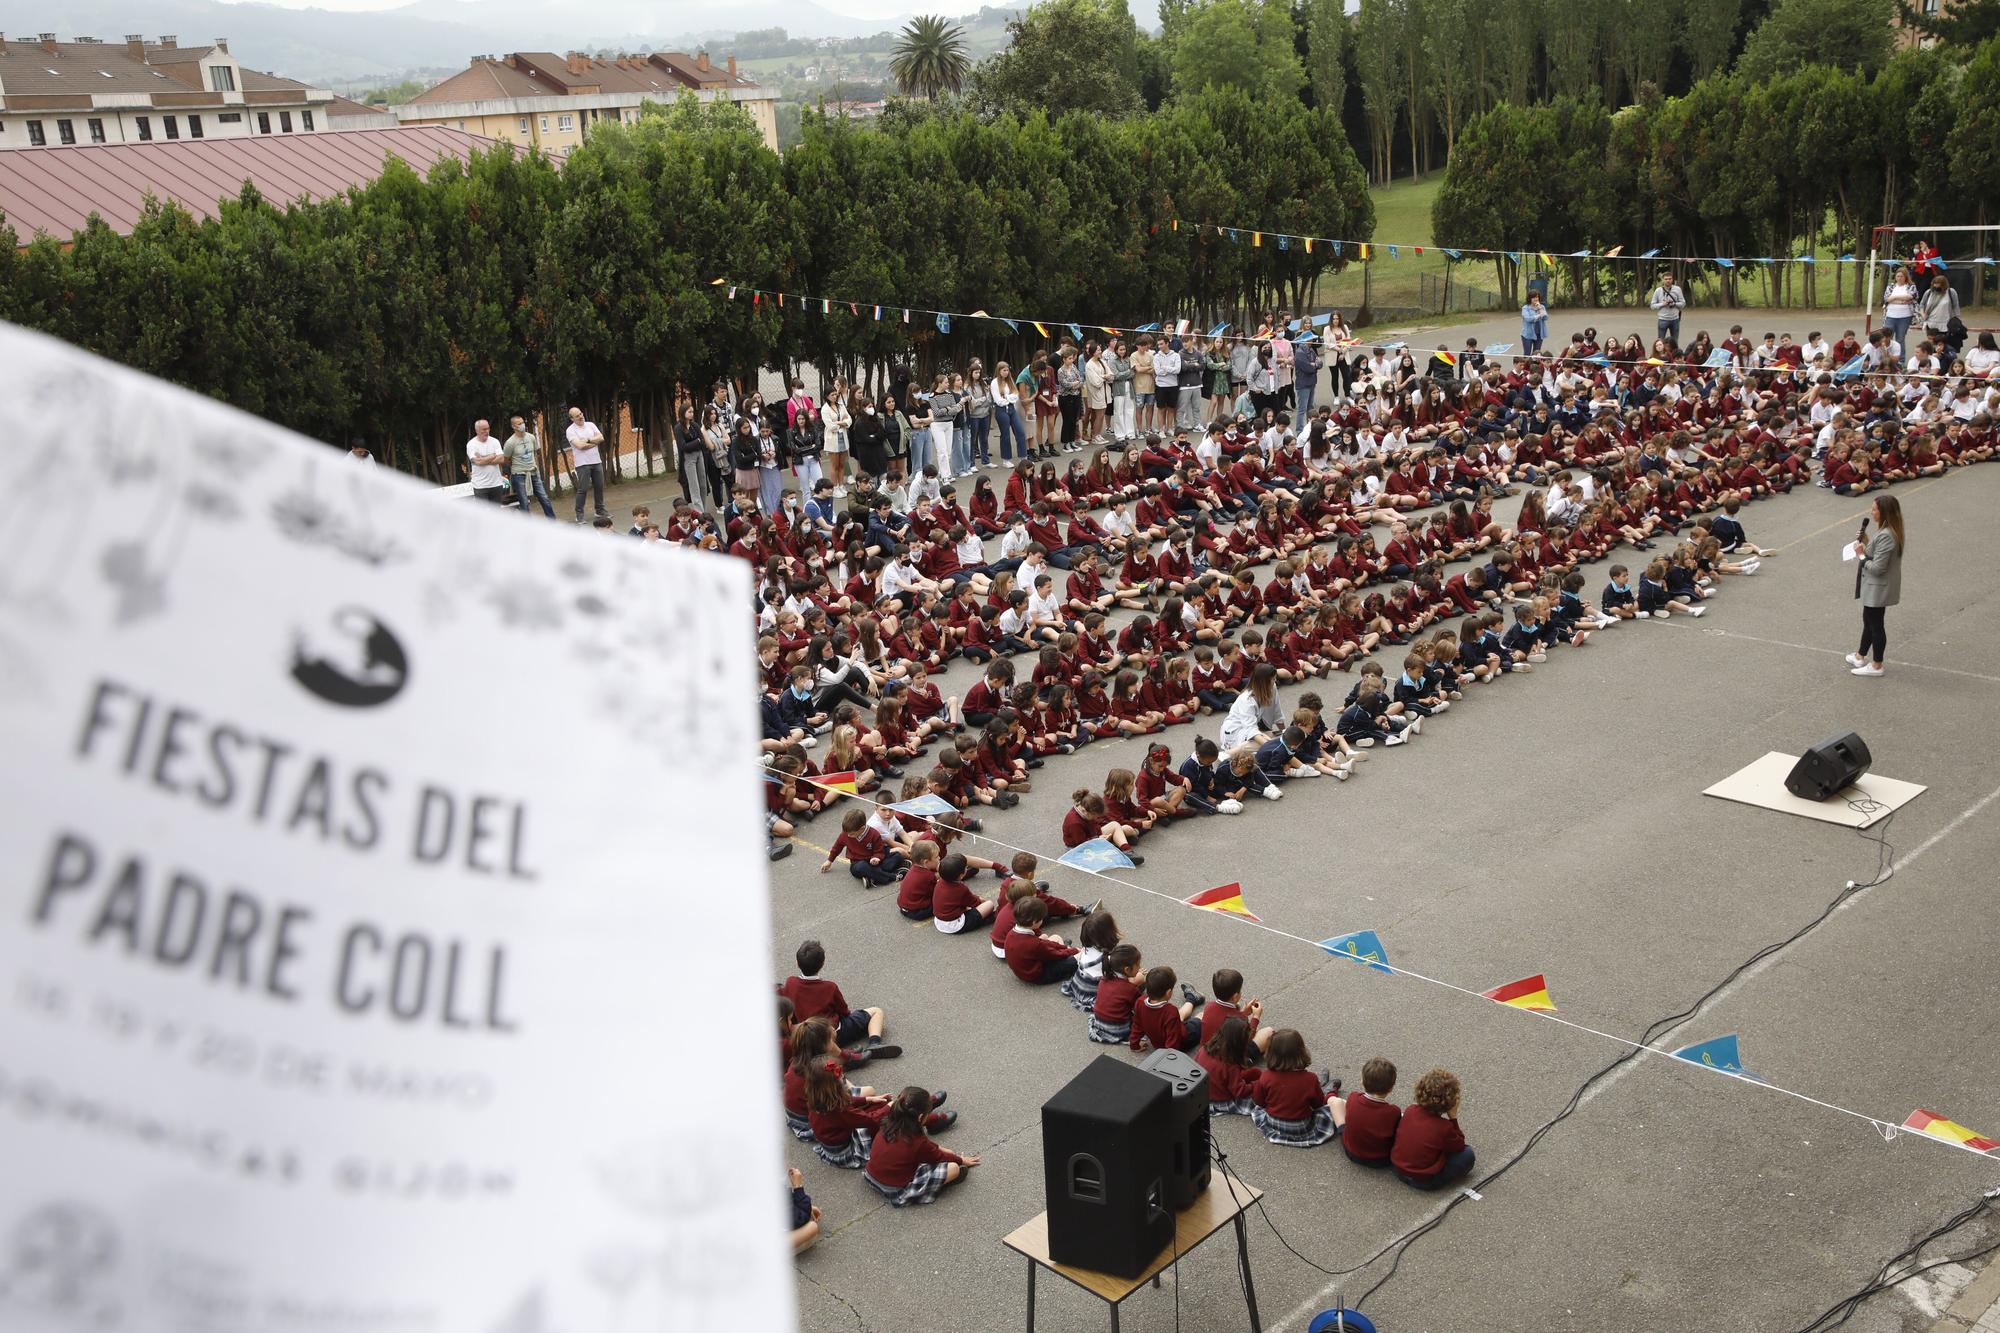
(930, 58)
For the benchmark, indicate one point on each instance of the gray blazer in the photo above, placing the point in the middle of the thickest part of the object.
(1881, 571)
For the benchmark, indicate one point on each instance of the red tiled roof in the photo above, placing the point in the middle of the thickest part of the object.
(55, 190)
(485, 81)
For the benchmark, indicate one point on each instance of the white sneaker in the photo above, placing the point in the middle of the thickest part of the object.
(1230, 807)
(1398, 739)
(1273, 794)
(1364, 743)
(1307, 772)
(1856, 659)
(1696, 610)
(1643, 615)
(1354, 759)
(809, 742)
(1416, 726)
(1752, 567)
(1441, 706)
(840, 492)
(1606, 622)
(1869, 670)
(1342, 774)
(1538, 658)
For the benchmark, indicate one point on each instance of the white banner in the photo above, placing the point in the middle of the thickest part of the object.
(382, 896)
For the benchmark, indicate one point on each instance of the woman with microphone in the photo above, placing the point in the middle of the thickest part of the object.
(1878, 583)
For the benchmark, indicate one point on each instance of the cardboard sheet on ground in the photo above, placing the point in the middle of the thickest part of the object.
(1763, 784)
(331, 996)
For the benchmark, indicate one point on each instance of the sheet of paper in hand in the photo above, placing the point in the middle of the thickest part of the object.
(331, 996)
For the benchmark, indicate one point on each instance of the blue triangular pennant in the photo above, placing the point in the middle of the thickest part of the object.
(1361, 946)
(1096, 855)
(1715, 1053)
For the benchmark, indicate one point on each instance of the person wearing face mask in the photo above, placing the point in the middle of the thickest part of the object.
(865, 437)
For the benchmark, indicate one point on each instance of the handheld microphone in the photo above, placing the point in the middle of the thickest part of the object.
(1863, 535)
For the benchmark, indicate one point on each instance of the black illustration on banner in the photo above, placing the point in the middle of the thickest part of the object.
(361, 664)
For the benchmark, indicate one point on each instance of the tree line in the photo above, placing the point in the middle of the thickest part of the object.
(405, 309)
(1810, 159)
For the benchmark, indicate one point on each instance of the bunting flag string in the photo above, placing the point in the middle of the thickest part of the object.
(1719, 1054)
(944, 322)
(1616, 252)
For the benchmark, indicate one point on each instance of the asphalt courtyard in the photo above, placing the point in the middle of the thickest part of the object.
(1551, 824)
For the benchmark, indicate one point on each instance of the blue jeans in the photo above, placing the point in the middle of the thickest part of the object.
(1670, 329)
(770, 489)
(1008, 418)
(961, 450)
(982, 431)
(1898, 326)
(1306, 389)
(920, 452)
(528, 487)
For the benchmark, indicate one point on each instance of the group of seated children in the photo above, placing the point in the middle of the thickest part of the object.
(849, 1125)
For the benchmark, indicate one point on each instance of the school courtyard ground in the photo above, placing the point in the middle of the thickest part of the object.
(1551, 824)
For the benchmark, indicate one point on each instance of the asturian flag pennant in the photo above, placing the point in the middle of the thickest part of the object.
(1393, 253)
(1650, 253)
(1076, 332)
(1450, 253)
(1579, 254)
(1227, 898)
(1935, 1125)
(1498, 349)
(926, 806)
(1362, 946)
(1012, 325)
(1720, 262)
(1528, 993)
(1337, 247)
(1219, 330)
(1096, 855)
(1715, 1053)
(1806, 259)
(943, 322)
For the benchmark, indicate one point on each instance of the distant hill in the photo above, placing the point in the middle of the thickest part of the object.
(338, 48)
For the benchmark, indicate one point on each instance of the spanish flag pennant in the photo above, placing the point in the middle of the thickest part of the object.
(1935, 1125)
(1226, 898)
(1040, 327)
(1547, 262)
(1528, 993)
(841, 782)
(1177, 224)
(1256, 239)
(1309, 245)
(1449, 358)
(1364, 252)
(718, 282)
(781, 298)
(979, 314)
(1614, 252)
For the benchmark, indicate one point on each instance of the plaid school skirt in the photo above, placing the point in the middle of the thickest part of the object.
(923, 1187)
(1309, 1133)
(1241, 1106)
(1082, 992)
(853, 1154)
(801, 1127)
(1110, 1034)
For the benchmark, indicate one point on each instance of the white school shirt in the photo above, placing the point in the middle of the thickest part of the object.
(1014, 619)
(1045, 608)
(583, 440)
(925, 490)
(1118, 524)
(970, 551)
(884, 822)
(1013, 542)
(1208, 453)
(485, 476)
(896, 576)
(1815, 349)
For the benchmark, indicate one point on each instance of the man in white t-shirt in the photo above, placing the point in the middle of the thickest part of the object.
(586, 461)
(484, 453)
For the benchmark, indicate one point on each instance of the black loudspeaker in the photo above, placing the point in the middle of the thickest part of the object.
(1828, 767)
(1189, 1084)
(1107, 1153)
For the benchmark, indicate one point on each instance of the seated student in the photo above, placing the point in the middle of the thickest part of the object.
(843, 1124)
(904, 1165)
(1239, 778)
(956, 909)
(1158, 789)
(1229, 1056)
(870, 858)
(1370, 1131)
(1023, 868)
(1368, 719)
(988, 694)
(1011, 894)
(1279, 760)
(1228, 1003)
(1293, 1105)
(1162, 1023)
(1523, 642)
(1325, 749)
(1089, 818)
(1037, 958)
(1619, 600)
(1199, 780)
(1118, 992)
(1098, 936)
(1430, 1150)
(919, 885)
(810, 1043)
(813, 996)
(1654, 597)
(805, 1213)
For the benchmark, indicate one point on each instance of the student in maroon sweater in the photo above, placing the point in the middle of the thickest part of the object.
(919, 887)
(813, 996)
(1293, 1105)
(1038, 959)
(870, 858)
(1226, 1002)
(1118, 993)
(810, 1043)
(1161, 1022)
(955, 908)
(843, 1125)
(904, 1165)
(1226, 1056)
(1430, 1150)
(1370, 1131)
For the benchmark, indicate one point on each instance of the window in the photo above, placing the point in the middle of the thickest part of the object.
(285, 122)
(66, 131)
(545, 125)
(96, 130)
(263, 122)
(173, 124)
(566, 123)
(222, 79)
(35, 136)
(231, 117)
(306, 120)
(524, 124)
(145, 124)
(194, 127)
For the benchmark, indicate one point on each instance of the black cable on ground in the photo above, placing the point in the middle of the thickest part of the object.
(1841, 1311)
